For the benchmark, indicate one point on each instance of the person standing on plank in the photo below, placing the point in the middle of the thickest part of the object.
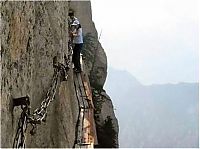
(78, 44)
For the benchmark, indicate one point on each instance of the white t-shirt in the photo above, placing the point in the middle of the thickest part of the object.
(71, 21)
(79, 38)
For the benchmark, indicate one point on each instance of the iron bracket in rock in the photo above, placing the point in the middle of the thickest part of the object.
(21, 101)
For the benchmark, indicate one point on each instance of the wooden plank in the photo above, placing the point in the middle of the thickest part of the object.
(78, 92)
(81, 112)
(86, 130)
(81, 125)
(89, 135)
(93, 133)
(88, 115)
(86, 123)
(83, 94)
(89, 94)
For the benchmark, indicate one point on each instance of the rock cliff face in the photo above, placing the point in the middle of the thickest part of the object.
(32, 35)
(96, 62)
(95, 55)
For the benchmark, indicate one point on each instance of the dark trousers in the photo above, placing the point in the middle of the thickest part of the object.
(76, 56)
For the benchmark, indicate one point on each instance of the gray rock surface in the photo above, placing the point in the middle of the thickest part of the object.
(97, 62)
(103, 111)
(32, 34)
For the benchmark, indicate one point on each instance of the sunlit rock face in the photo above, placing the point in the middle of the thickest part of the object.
(94, 53)
(96, 63)
(32, 35)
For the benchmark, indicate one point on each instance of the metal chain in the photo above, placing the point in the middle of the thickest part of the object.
(19, 140)
(40, 113)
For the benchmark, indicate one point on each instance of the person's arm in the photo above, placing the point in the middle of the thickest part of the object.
(77, 33)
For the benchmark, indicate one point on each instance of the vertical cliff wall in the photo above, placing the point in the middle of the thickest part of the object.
(32, 35)
(95, 55)
(96, 62)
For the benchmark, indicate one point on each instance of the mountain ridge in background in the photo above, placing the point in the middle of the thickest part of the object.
(158, 115)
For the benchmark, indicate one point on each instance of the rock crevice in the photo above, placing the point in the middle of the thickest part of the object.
(32, 35)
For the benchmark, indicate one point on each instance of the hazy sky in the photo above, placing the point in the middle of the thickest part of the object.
(155, 40)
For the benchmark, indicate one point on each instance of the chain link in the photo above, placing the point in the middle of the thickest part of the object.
(39, 115)
(19, 140)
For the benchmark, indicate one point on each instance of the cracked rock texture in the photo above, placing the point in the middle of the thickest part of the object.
(96, 64)
(32, 35)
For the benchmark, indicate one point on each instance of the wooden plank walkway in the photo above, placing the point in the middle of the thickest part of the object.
(86, 129)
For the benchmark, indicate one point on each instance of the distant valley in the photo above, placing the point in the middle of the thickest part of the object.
(154, 116)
